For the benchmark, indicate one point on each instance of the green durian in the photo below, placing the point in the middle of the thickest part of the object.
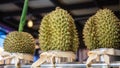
(21, 42)
(18, 41)
(89, 34)
(108, 29)
(58, 32)
(105, 31)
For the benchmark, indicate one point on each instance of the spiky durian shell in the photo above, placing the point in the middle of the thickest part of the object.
(89, 34)
(108, 29)
(58, 32)
(21, 42)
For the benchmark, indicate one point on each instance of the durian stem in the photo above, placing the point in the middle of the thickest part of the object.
(23, 16)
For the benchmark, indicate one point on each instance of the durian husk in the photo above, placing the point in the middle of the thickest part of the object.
(89, 34)
(102, 30)
(19, 42)
(58, 32)
(108, 29)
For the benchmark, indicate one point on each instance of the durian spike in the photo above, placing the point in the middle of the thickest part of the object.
(23, 16)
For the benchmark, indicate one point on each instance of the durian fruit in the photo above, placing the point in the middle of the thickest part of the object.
(89, 34)
(108, 29)
(102, 30)
(18, 41)
(45, 34)
(21, 42)
(58, 32)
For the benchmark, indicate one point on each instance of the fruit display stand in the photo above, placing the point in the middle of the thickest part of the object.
(103, 55)
(113, 54)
